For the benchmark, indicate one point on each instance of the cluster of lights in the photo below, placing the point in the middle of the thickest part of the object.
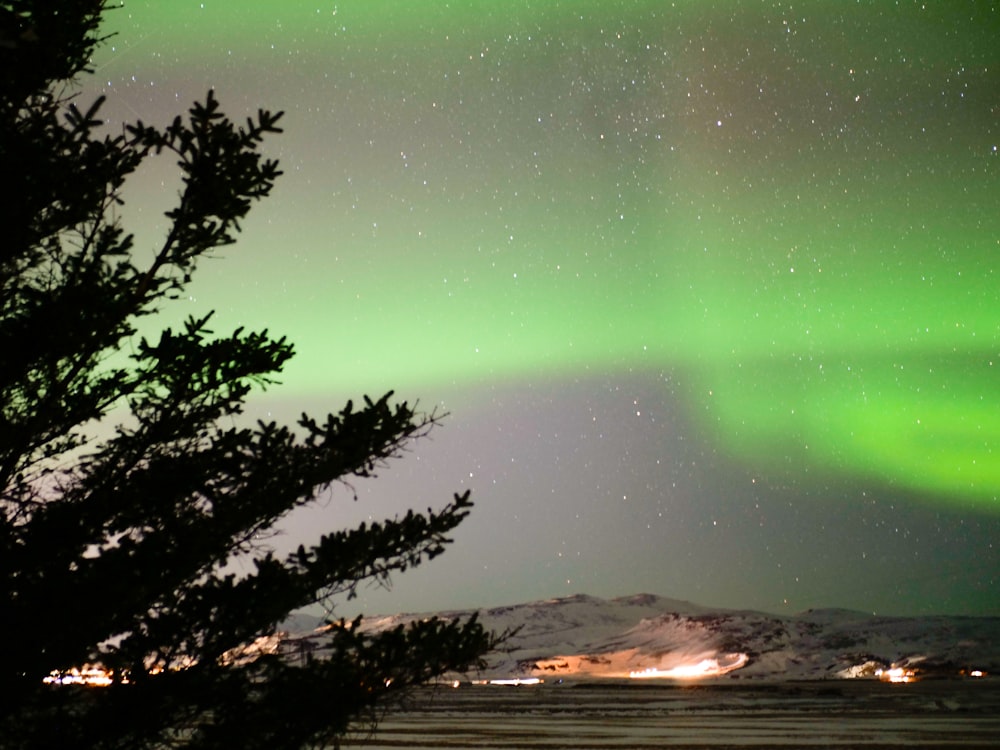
(97, 676)
(703, 668)
(90, 676)
(899, 674)
(896, 674)
(512, 681)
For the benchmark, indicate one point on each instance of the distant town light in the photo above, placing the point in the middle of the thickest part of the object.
(517, 681)
(896, 674)
(92, 676)
(701, 669)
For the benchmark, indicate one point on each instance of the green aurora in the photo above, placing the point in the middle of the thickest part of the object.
(810, 246)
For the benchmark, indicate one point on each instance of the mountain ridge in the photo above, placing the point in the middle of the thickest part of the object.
(647, 636)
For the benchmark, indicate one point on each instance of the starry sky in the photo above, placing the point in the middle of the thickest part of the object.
(708, 289)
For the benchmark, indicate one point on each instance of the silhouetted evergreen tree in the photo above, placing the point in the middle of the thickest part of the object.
(113, 550)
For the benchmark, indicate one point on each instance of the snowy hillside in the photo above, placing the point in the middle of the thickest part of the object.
(650, 637)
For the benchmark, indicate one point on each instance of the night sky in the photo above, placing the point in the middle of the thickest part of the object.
(709, 290)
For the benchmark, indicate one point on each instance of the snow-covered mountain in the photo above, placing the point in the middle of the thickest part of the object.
(651, 637)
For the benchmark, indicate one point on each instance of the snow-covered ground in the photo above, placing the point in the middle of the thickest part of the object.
(647, 637)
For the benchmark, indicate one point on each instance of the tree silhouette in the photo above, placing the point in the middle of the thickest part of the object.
(114, 549)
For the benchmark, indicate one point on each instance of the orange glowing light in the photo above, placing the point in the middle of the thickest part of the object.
(698, 670)
(896, 674)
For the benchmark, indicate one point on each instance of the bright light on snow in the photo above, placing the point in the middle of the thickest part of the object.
(703, 668)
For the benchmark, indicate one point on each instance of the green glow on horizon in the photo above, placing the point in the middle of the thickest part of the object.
(824, 327)
(880, 371)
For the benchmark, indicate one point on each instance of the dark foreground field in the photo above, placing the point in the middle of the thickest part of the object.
(842, 714)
